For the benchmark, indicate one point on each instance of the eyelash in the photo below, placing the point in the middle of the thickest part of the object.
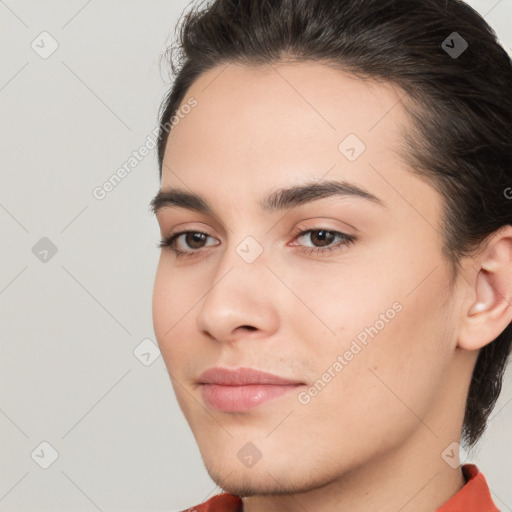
(347, 240)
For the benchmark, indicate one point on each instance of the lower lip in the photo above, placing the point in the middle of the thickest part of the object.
(242, 398)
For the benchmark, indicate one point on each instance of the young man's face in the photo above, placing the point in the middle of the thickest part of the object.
(365, 329)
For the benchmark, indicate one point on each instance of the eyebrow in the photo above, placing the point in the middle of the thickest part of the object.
(282, 199)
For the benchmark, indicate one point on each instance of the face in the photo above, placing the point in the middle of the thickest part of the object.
(341, 291)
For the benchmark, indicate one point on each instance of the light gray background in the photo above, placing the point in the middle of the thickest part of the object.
(69, 326)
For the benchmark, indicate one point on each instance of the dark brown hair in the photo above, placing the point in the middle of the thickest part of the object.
(460, 107)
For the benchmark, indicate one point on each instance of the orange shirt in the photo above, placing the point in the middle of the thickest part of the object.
(473, 497)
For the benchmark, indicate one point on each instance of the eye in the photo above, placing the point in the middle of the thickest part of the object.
(324, 238)
(193, 239)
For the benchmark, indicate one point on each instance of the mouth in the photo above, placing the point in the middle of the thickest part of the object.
(242, 389)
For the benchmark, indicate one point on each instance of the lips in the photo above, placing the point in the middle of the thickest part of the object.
(242, 389)
(242, 377)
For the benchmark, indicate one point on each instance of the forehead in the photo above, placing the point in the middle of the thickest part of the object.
(259, 127)
(283, 109)
(327, 101)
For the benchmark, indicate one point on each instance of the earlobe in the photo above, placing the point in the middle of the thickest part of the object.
(491, 309)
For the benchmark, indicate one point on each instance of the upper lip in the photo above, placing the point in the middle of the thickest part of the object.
(242, 377)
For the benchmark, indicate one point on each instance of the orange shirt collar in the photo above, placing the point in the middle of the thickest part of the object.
(475, 496)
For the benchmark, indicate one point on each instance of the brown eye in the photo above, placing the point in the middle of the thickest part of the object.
(194, 240)
(321, 237)
(322, 241)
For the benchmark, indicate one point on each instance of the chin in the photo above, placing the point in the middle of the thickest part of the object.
(255, 485)
(262, 480)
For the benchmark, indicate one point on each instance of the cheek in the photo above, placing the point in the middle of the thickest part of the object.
(387, 343)
(170, 306)
(171, 309)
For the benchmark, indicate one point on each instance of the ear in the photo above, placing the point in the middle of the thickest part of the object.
(488, 309)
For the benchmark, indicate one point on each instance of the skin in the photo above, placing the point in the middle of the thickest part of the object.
(372, 439)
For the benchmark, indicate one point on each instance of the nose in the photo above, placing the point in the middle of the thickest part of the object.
(240, 300)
